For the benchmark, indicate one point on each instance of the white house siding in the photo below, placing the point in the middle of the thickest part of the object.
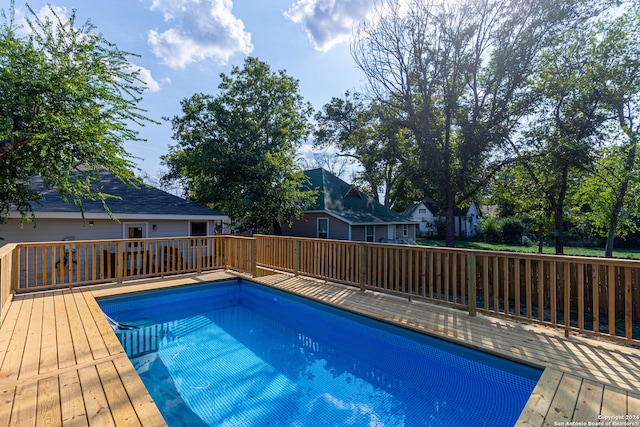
(102, 229)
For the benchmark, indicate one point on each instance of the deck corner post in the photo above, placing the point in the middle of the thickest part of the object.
(296, 257)
(471, 282)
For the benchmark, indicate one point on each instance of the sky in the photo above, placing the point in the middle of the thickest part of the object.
(184, 46)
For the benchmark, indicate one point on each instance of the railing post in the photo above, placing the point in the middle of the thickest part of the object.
(119, 261)
(199, 244)
(254, 257)
(15, 270)
(471, 282)
(362, 274)
(296, 257)
(227, 250)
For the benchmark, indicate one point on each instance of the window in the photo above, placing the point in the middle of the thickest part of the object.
(370, 237)
(405, 230)
(134, 230)
(198, 229)
(135, 233)
(370, 233)
(323, 228)
(423, 211)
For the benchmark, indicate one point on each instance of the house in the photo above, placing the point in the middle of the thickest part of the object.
(143, 212)
(419, 212)
(464, 222)
(343, 212)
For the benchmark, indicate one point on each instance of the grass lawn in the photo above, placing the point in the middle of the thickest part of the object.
(594, 252)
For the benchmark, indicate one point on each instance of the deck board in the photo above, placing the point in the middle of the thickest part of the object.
(61, 364)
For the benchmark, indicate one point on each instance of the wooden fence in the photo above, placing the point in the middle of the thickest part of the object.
(52, 265)
(599, 296)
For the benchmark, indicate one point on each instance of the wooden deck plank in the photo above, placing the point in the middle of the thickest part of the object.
(7, 398)
(66, 355)
(95, 402)
(48, 411)
(15, 349)
(8, 325)
(81, 347)
(96, 342)
(72, 409)
(23, 412)
(30, 366)
(589, 401)
(564, 401)
(614, 401)
(107, 336)
(49, 345)
(537, 407)
(633, 404)
(142, 402)
(121, 409)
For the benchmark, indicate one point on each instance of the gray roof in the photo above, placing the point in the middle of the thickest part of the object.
(143, 200)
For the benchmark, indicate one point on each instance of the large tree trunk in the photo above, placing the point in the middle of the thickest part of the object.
(619, 202)
(450, 237)
(558, 211)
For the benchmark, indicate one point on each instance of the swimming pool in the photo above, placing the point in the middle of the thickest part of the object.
(236, 353)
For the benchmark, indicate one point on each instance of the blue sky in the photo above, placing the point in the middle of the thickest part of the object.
(184, 45)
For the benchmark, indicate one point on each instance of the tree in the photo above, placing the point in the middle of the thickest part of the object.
(458, 74)
(577, 93)
(236, 151)
(621, 47)
(68, 100)
(366, 133)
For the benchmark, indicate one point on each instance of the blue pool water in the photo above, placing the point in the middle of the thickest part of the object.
(235, 353)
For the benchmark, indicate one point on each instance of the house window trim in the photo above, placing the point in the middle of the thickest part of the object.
(318, 227)
(405, 230)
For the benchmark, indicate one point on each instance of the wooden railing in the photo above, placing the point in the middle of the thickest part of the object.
(52, 265)
(598, 296)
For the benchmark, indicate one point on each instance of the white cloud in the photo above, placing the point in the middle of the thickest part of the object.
(145, 75)
(201, 29)
(329, 22)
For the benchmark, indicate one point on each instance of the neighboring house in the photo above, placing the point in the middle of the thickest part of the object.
(142, 212)
(419, 212)
(464, 222)
(342, 212)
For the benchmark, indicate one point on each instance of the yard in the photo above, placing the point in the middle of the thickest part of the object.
(547, 249)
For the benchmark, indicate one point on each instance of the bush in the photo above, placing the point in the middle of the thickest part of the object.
(512, 230)
(489, 229)
(501, 230)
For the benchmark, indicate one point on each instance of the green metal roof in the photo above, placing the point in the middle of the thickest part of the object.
(345, 201)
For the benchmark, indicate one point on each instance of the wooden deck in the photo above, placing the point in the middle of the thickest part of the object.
(61, 364)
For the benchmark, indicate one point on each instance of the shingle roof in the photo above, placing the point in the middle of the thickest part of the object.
(142, 200)
(345, 201)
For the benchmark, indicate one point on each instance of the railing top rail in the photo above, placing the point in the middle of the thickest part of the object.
(482, 252)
